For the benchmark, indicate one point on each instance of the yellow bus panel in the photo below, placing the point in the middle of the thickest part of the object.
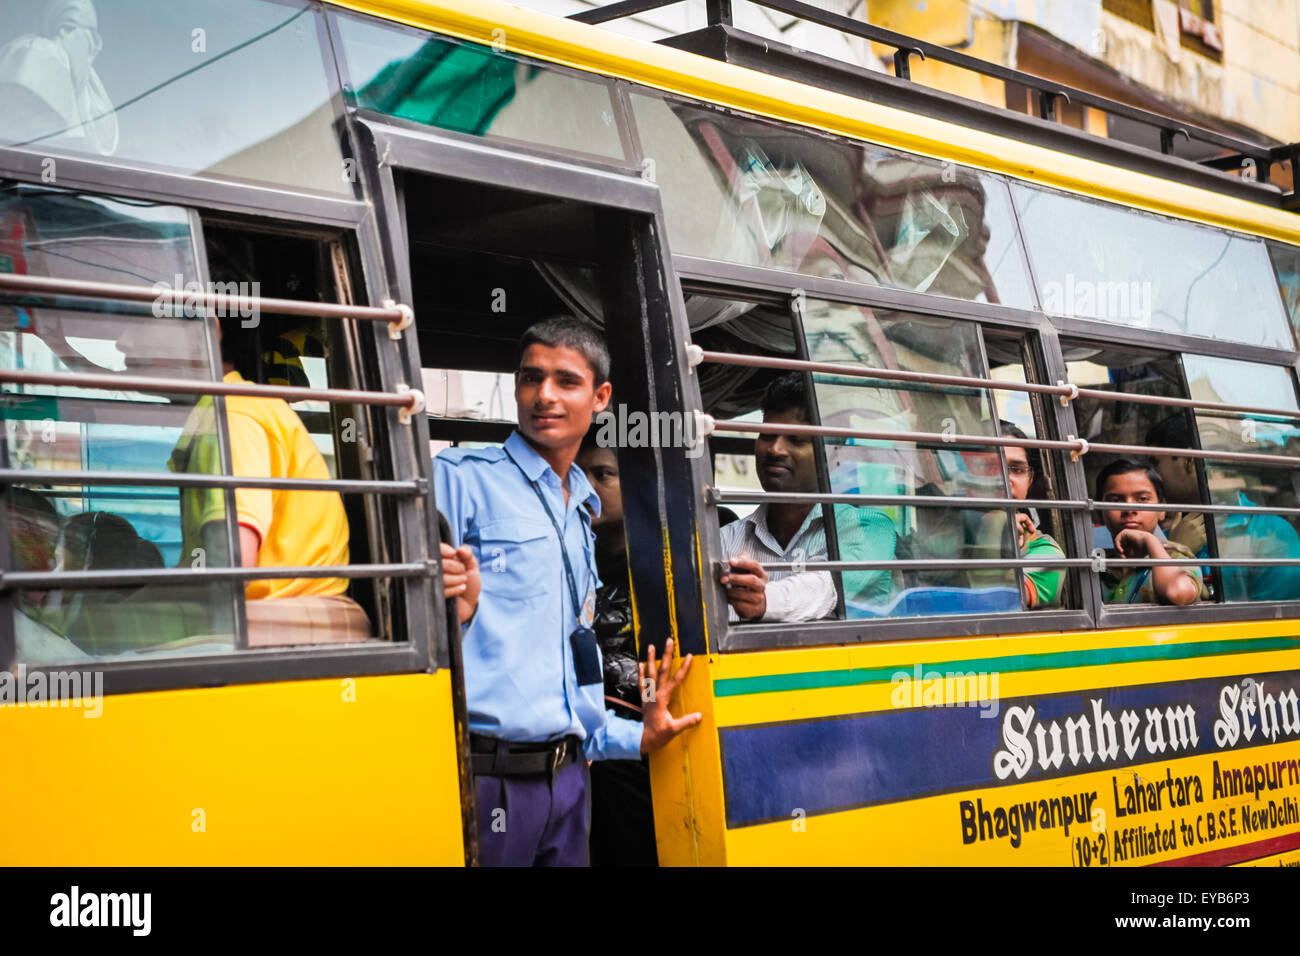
(354, 771)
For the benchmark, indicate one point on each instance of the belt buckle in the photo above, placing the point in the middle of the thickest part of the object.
(558, 753)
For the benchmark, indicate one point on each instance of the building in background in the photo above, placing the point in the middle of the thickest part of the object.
(1231, 66)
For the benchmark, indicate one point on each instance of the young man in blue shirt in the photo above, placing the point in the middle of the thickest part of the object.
(533, 678)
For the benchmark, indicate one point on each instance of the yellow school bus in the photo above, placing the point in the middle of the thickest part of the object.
(386, 193)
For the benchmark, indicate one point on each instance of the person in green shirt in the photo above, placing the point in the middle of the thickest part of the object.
(1130, 481)
(1042, 586)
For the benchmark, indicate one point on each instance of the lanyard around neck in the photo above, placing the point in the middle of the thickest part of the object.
(564, 551)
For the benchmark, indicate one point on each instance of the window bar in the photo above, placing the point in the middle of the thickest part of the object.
(995, 563)
(21, 476)
(398, 316)
(1064, 390)
(412, 401)
(745, 496)
(52, 580)
(1076, 446)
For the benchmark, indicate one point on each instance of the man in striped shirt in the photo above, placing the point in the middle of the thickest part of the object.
(780, 532)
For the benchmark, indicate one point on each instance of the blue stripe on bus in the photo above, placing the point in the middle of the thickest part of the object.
(772, 771)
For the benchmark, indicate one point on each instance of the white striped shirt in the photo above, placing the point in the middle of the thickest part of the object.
(791, 596)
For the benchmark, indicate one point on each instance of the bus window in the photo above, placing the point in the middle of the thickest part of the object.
(467, 88)
(1137, 269)
(1032, 474)
(1260, 535)
(72, 525)
(239, 91)
(303, 352)
(1134, 423)
(839, 332)
(748, 191)
(1286, 263)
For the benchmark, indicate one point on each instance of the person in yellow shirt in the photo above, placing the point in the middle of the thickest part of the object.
(277, 528)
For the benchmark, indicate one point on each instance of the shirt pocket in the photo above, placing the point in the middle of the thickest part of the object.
(515, 558)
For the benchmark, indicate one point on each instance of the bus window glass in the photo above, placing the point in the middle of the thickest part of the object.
(1243, 484)
(1137, 424)
(759, 194)
(309, 439)
(1099, 261)
(838, 332)
(240, 90)
(471, 89)
(1286, 264)
(71, 526)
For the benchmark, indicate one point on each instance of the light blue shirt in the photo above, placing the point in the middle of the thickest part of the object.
(520, 679)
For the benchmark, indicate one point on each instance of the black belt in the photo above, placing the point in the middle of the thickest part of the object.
(491, 757)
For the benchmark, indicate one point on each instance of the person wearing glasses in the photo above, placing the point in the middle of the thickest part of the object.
(1042, 586)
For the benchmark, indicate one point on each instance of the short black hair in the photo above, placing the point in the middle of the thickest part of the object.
(785, 393)
(1126, 466)
(573, 334)
(1172, 432)
(1032, 455)
(1011, 430)
(31, 501)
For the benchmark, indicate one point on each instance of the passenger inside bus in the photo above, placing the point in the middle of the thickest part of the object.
(1129, 481)
(1042, 586)
(281, 528)
(780, 532)
(1238, 535)
(622, 820)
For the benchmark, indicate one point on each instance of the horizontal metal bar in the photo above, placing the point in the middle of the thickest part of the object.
(56, 580)
(745, 496)
(228, 304)
(53, 476)
(1104, 395)
(938, 438)
(980, 564)
(927, 378)
(771, 428)
(862, 371)
(624, 8)
(1284, 461)
(937, 564)
(145, 383)
(748, 496)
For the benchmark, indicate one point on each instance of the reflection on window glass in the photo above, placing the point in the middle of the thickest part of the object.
(237, 90)
(844, 333)
(759, 194)
(70, 526)
(1099, 261)
(1241, 535)
(1286, 264)
(467, 88)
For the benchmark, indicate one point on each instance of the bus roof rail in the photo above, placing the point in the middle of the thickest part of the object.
(720, 39)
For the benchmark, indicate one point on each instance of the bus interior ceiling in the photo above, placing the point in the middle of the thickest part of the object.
(487, 262)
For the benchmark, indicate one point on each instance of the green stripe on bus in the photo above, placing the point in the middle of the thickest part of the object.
(813, 680)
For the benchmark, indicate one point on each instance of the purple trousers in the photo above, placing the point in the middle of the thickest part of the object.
(525, 821)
